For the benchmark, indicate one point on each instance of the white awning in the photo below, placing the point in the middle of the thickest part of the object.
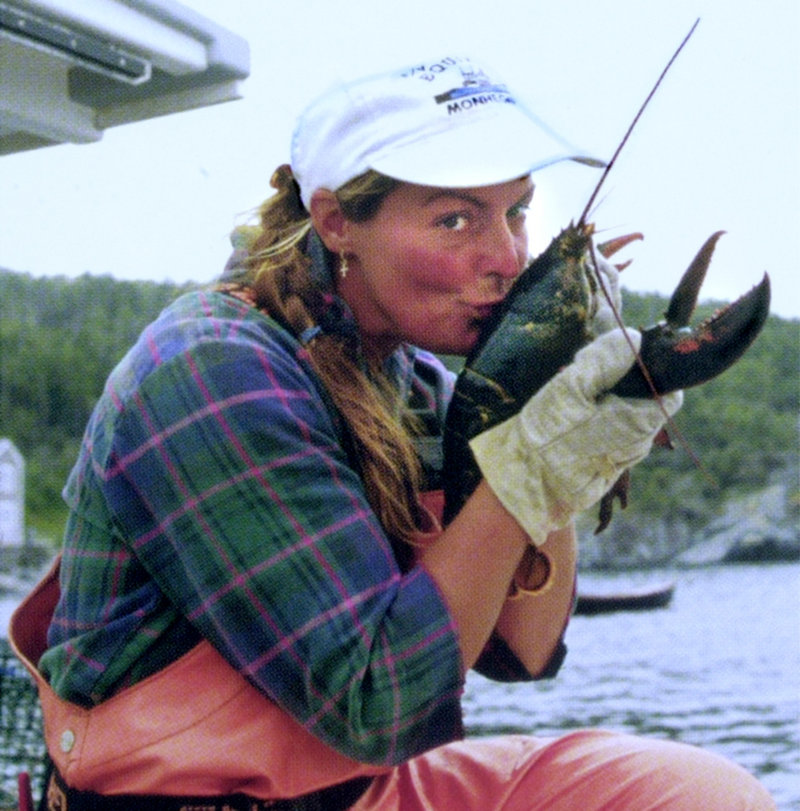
(69, 70)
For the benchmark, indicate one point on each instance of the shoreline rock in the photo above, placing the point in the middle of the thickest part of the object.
(760, 527)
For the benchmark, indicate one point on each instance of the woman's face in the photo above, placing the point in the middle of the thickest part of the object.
(431, 265)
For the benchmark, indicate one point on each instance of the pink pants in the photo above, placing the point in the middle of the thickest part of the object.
(582, 771)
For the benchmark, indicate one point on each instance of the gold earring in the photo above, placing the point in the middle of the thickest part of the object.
(343, 267)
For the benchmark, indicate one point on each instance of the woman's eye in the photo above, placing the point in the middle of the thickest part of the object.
(519, 211)
(454, 222)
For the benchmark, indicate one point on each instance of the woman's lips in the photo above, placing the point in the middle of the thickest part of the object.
(483, 311)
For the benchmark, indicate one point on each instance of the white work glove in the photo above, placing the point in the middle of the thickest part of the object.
(603, 319)
(571, 440)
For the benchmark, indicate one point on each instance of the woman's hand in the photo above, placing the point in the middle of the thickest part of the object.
(572, 440)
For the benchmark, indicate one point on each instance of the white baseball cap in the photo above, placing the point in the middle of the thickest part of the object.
(450, 123)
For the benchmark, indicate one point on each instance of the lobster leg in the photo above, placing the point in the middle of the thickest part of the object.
(609, 248)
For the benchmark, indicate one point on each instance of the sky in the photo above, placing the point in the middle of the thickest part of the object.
(717, 149)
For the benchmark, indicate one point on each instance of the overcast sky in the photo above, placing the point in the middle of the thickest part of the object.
(719, 147)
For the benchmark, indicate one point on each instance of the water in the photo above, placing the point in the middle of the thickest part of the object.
(719, 668)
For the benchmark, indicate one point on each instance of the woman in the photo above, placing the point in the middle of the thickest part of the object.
(256, 605)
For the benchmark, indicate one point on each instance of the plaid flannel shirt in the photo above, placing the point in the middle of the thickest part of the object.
(214, 498)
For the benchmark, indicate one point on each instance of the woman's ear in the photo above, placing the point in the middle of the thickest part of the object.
(328, 220)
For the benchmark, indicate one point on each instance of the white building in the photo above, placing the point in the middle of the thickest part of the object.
(12, 495)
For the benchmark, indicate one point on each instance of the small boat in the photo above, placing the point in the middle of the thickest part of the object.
(641, 599)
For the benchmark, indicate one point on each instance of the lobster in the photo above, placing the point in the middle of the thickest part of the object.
(547, 317)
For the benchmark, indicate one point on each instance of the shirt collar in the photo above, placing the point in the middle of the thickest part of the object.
(333, 315)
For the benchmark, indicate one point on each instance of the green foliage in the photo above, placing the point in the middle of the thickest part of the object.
(60, 338)
(739, 428)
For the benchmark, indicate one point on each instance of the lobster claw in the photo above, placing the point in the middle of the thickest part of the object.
(677, 356)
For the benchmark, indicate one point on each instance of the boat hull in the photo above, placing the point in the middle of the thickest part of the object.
(645, 599)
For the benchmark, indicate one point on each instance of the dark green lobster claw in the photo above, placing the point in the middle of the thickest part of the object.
(677, 356)
(547, 318)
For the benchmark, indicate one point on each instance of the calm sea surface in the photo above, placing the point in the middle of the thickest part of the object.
(720, 668)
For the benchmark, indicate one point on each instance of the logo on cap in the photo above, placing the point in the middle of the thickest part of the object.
(476, 87)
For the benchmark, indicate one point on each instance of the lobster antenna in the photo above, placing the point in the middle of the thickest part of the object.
(635, 121)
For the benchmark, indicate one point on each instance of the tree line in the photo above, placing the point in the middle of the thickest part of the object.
(59, 339)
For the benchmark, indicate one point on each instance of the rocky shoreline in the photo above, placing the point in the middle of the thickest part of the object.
(760, 527)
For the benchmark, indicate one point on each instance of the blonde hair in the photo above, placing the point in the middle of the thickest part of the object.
(278, 281)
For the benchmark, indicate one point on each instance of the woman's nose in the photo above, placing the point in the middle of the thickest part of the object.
(503, 252)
